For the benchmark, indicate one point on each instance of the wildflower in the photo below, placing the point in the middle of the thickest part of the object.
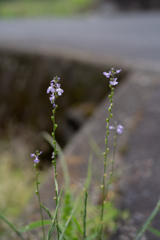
(111, 127)
(118, 70)
(52, 98)
(113, 82)
(55, 90)
(107, 74)
(119, 128)
(59, 91)
(51, 88)
(36, 160)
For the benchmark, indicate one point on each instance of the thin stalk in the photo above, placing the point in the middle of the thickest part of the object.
(85, 213)
(149, 220)
(37, 192)
(54, 163)
(112, 162)
(103, 186)
(12, 226)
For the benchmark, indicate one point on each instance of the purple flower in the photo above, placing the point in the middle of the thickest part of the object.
(55, 79)
(111, 127)
(55, 90)
(51, 88)
(54, 105)
(59, 91)
(120, 129)
(118, 71)
(36, 160)
(107, 74)
(52, 98)
(114, 82)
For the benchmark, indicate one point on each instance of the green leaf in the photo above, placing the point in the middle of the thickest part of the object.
(68, 221)
(78, 226)
(34, 225)
(54, 217)
(61, 228)
(91, 237)
(95, 148)
(154, 231)
(47, 211)
(148, 221)
(12, 226)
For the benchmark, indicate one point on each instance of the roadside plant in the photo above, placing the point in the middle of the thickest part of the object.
(79, 219)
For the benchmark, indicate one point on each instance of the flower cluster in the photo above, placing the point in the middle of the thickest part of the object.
(55, 90)
(110, 74)
(119, 128)
(36, 160)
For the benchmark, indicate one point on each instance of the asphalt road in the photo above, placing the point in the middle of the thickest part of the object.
(134, 35)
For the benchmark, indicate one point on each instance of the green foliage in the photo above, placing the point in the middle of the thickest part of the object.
(154, 231)
(12, 226)
(148, 221)
(74, 230)
(34, 225)
(66, 210)
(42, 8)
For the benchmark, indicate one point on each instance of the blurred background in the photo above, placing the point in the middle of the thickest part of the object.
(25, 8)
(31, 55)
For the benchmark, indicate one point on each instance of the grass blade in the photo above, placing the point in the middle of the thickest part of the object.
(77, 224)
(154, 231)
(68, 221)
(54, 217)
(47, 211)
(149, 220)
(12, 226)
(92, 237)
(95, 148)
(34, 225)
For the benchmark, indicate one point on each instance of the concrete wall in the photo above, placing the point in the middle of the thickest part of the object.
(24, 78)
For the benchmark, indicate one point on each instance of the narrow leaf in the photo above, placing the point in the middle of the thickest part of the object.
(34, 225)
(54, 217)
(12, 226)
(78, 226)
(91, 237)
(95, 148)
(47, 211)
(148, 221)
(154, 231)
(61, 228)
(68, 221)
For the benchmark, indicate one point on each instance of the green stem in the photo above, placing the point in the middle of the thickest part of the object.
(12, 226)
(37, 191)
(103, 186)
(85, 214)
(112, 161)
(54, 163)
(149, 220)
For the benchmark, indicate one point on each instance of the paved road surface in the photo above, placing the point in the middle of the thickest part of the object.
(134, 36)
